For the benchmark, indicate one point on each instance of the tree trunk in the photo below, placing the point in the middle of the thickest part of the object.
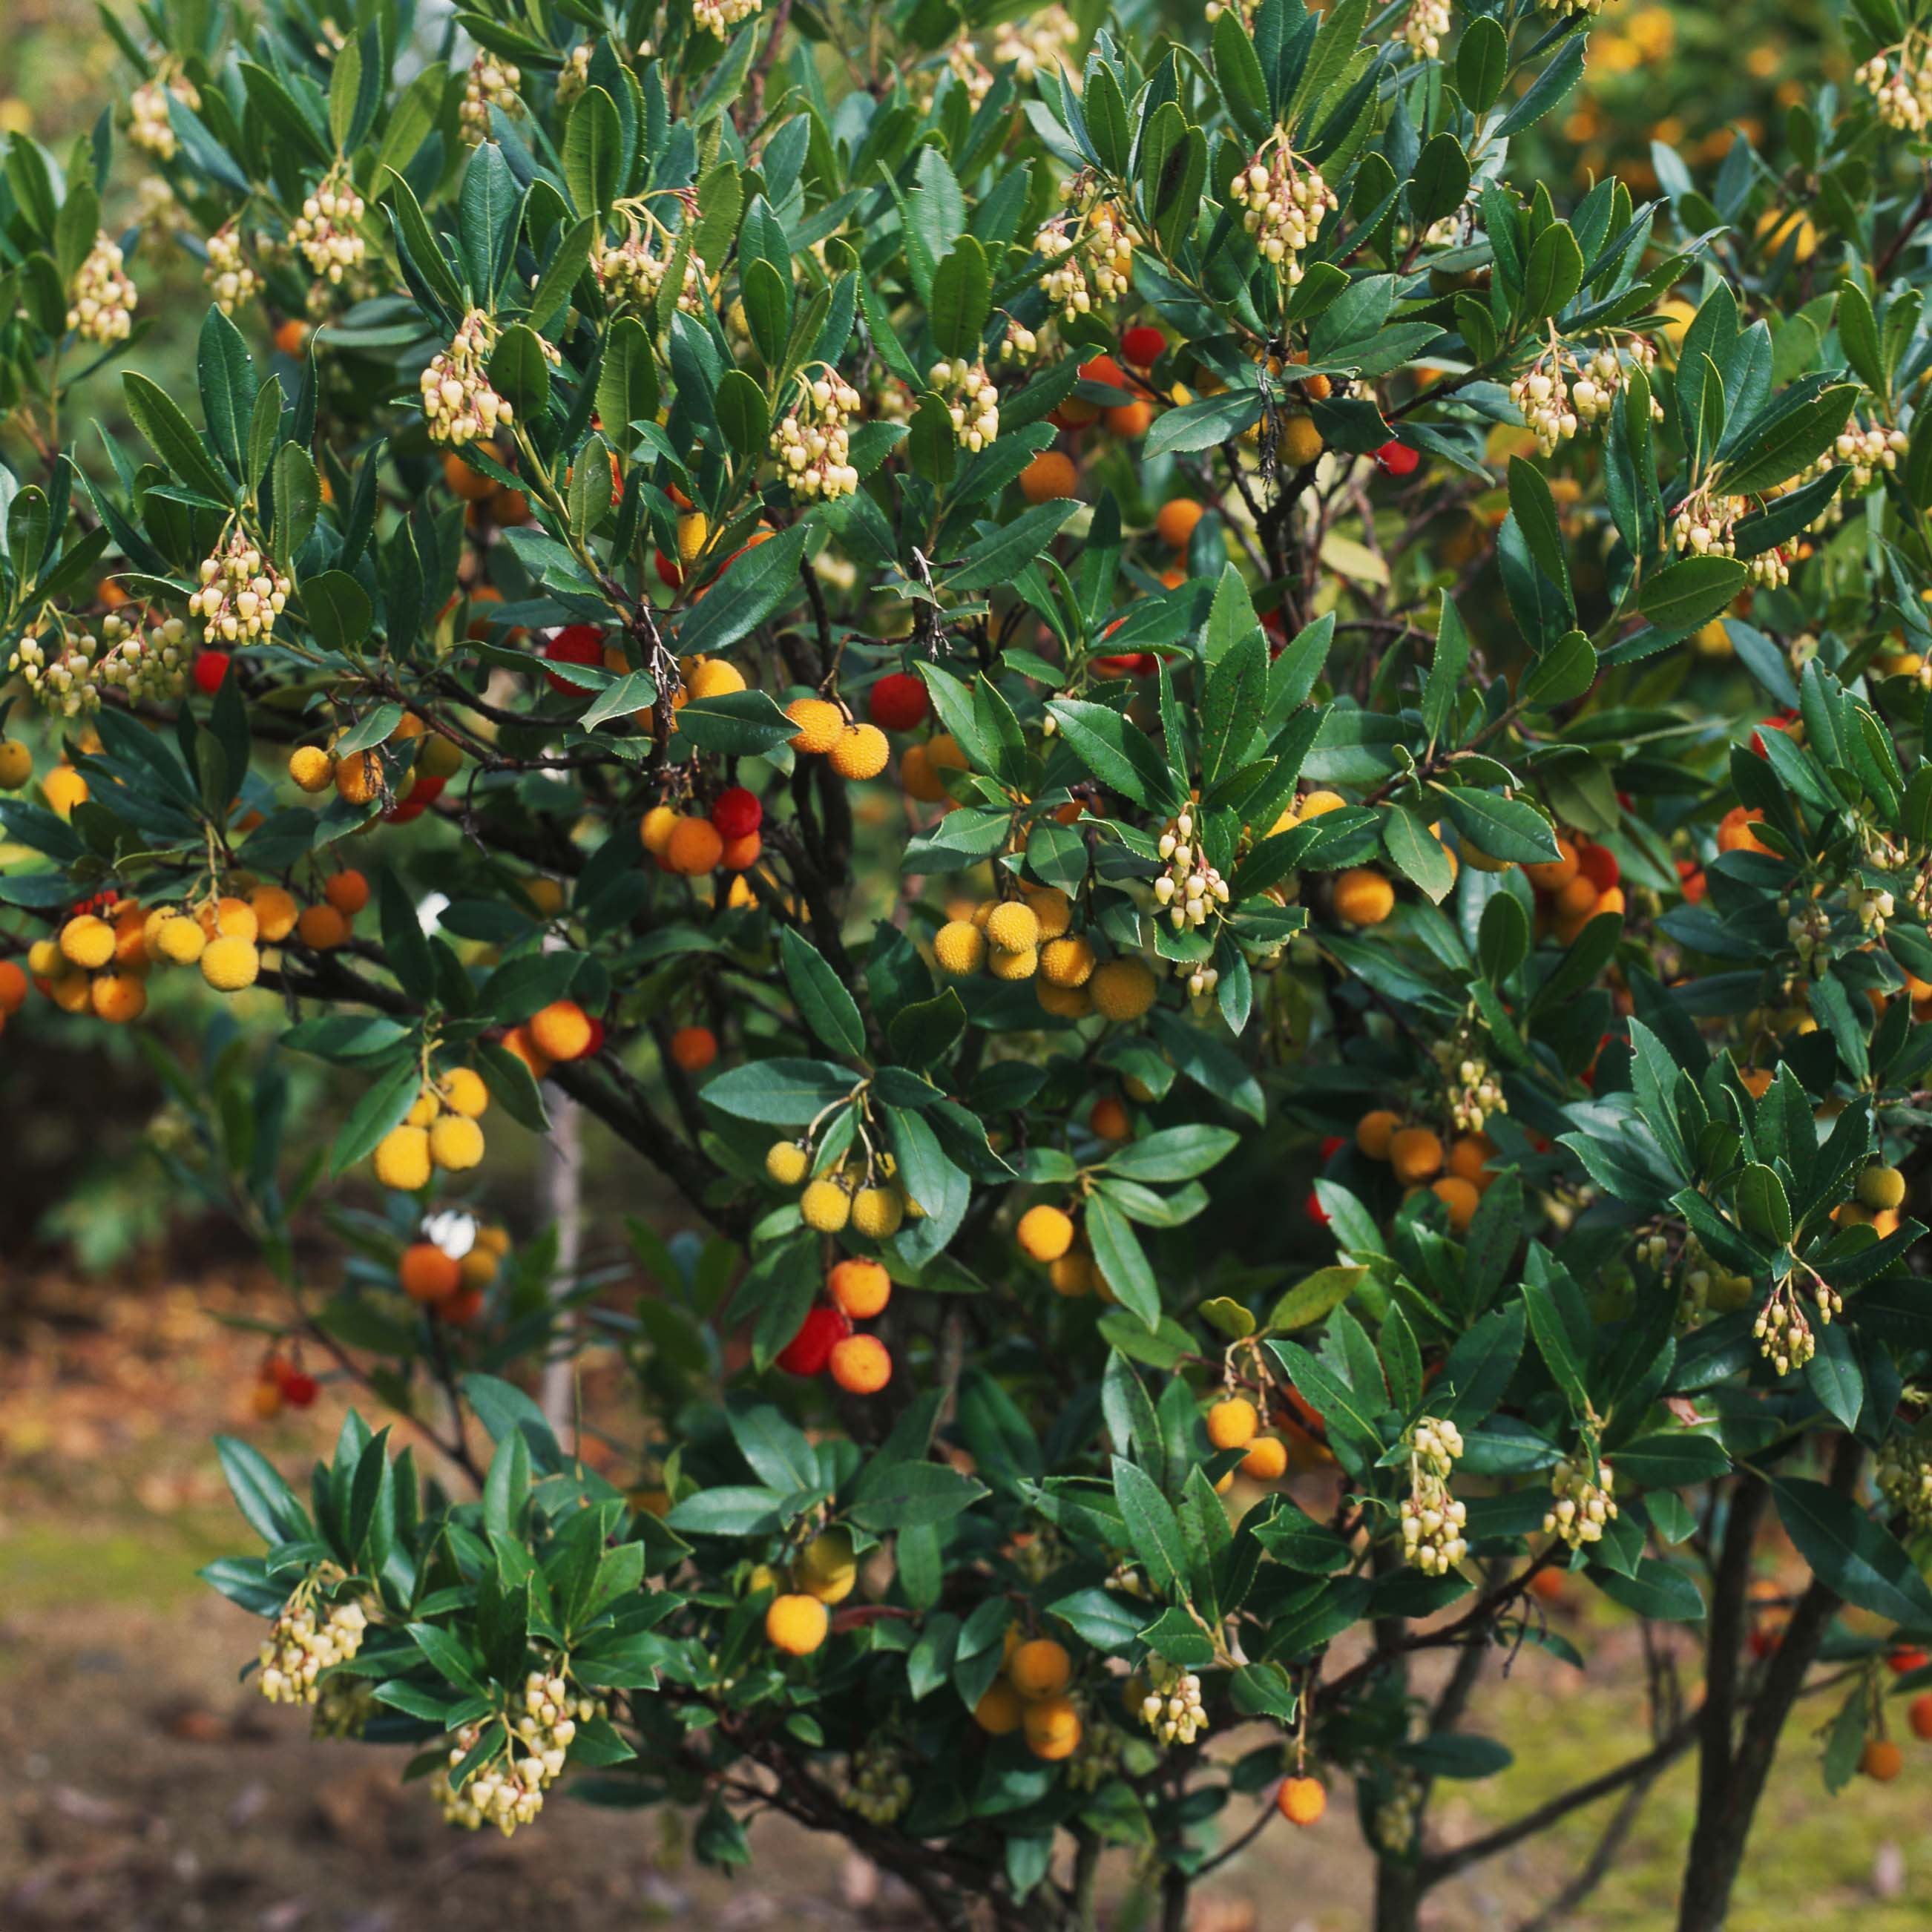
(560, 1198)
(1399, 1890)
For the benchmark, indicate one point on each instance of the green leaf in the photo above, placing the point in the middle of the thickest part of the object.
(1482, 63)
(1315, 1296)
(1563, 673)
(1554, 272)
(1763, 1206)
(520, 371)
(781, 1092)
(593, 145)
(1851, 1552)
(742, 413)
(1001, 554)
(1508, 829)
(1152, 1525)
(1796, 439)
(1173, 1154)
(748, 591)
(894, 1495)
(1416, 852)
(828, 1009)
(175, 440)
(1122, 1260)
(962, 292)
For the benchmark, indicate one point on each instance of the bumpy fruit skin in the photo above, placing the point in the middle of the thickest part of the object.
(229, 965)
(426, 1273)
(712, 677)
(1051, 906)
(1040, 1668)
(960, 947)
(1300, 442)
(1267, 1460)
(311, 768)
(322, 928)
(1067, 961)
(693, 847)
(1460, 1197)
(1123, 989)
(232, 918)
(1376, 1130)
(859, 752)
(860, 1365)
(87, 941)
(1052, 1729)
(1065, 1003)
(561, 1031)
(348, 892)
(737, 813)
(810, 1348)
(796, 1624)
(275, 913)
(1302, 1801)
(999, 1712)
(464, 1092)
(1882, 1188)
(825, 1207)
(786, 1163)
(1416, 1154)
(861, 1288)
(694, 1048)
(898, 702)
(1231, 1424)
(119, 998)
(1044, 1233)
(455, 1143)
(1363, 897)
(359, 778)
(402, 1159)
(819, 723)
(1552, 875)
(876, 1212)
(1050, 474)
(1013, 926)
(1005, 965)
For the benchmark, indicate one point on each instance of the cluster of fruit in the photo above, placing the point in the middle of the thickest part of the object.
(1418, 1159)
(281, 1383)
(726, 838)
(1029, 1695)
(827, 730)
(440, 1130)
(857, 1290)
(450, 1275)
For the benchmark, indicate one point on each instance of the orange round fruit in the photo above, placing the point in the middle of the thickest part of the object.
(1050, 474)
(427, 1273)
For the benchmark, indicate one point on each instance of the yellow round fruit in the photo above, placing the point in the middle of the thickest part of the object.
(693, 531)
(455, 1143)
(1363, 897)
(1064, 1003)
(819, 724)
(1013, 926)
(87, 941)
(230, 964)
(1301, 1801)
(826, 1568)
(796, 1624)
(825, 1207)
(1052, 1729)
(464, 1092)
(1416, 1154)
(786, 1163)
(359, 778)
(859, 1289)
(960, 947)
(1375, 1130)
(1040, 1668)
(1000, 1712)
(654, 828)
(1067, 961)
(1267, 1460)
(713, 677)
(1231, 1424)
(1300, 442)
(275, 913)
(403, 1159)
(1882, 1188)
(311, 768)
(876, 1212)
(1046, 1233)
(1123, 989)
(16, 764)
(63, 788)
(119, 998)
(1072, 1275)
(1051, 906)
(1005, 965)
(860, 752)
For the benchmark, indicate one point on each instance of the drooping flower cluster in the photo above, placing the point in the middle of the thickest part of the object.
(1172, 1709)
(242, 593)
(1601, 380)
(153, 668)
(574, 76)
(1190, 889)
(1399, 1814)
(1037, 43)
(1065, 282)
(969, 393)
(1423, 26)
(149, 126)
(101, 304)
(58, 669)
(1785, 1336)
(631, 272)
(1903, 1475)
(1474, 1092)
(1870, 906)
(301, 1645)
(1902, 95)
(490, 82)
(963, 63)
(1542, 394)
(343, 1705)
(1432, 1519)
(229, 279)
(326, 231)
(508, 1791)
(1096, 1756)
(1866, 450)
(456, 395)
(1019, 343)
(811, 445)
(1706, 525)
(879, 1789)
(719, 17)
(1580, 1506)
(1284, 201)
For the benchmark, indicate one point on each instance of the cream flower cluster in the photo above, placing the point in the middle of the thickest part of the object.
(343, 1705)
(969, 393)
(1096, 1757)
(1432, 1519)
(1580, 1507)
(1019, 343)
(490, 82)
(1283, 201)
(1065, 282)
(1903, 1475)
(148, 126)
(325, 232)
(1902, 94)
(1866, 449)
(229, 279)
(1040, 43)
(630, 273)
(1172, 1709)
(717, 17)
(574, 76)
(879, 1789)
(508, 1791)
(242, 593)
(61, 681)
(810, 444)
(301, 1645)
(1423, 26)
(1785, 1336)
(457, 396)
(101, 304)
(1190, 889)
(154, 666)
(1543, 395)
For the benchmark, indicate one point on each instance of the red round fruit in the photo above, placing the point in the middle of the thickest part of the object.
(669, 574)
(298, 1390)
(210, 668)
(1136, 664)
(409, 809)
(737, 814)
(1396, 458)
(1314, 1210)
(808, 1352)
(899, 703)
(426, 791)
(596, 1037)
(1908, 1657)
(577, 644)
(1143, 345)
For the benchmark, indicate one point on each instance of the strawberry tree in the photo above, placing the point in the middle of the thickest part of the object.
(1237, 800)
